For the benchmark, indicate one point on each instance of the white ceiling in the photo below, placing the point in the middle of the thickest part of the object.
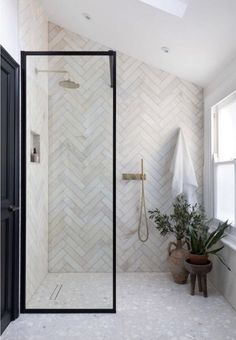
(201, 43)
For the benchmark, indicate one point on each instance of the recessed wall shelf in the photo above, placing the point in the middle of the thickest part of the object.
(35, 148)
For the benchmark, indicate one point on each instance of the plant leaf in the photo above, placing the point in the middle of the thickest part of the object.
(218, 235)
(214, 251)
(223, 262)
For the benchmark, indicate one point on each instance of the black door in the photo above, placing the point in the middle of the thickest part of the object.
(9, 189)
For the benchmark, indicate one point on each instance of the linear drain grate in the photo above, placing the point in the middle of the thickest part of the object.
(56, 292)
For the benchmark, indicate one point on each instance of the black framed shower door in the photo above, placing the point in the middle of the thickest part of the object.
(112, 63)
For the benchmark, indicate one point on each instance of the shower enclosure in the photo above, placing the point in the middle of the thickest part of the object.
(68, 182)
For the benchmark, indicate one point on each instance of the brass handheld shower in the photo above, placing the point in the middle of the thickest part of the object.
(142, 177)
(143, 207)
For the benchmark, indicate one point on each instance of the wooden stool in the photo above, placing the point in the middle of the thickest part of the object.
(198, 271)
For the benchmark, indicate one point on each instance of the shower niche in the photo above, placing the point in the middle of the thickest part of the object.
(35, 147)
(68, 200)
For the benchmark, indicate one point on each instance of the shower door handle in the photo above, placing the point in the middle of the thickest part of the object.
(13, 208)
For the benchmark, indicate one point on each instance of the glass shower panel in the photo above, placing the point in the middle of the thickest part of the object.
(69, 237)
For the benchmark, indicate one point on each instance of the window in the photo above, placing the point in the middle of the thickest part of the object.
(224, 159)
(174, 7)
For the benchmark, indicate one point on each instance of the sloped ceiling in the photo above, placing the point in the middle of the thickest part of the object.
(200, 44)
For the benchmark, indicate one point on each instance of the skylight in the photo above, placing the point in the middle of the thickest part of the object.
(174, 7)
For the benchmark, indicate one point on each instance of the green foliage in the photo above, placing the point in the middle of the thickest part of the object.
(201, 242)
(189, 222)
(183, 216)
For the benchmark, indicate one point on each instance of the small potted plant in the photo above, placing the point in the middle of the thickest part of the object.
(177, 223)
(201, 243)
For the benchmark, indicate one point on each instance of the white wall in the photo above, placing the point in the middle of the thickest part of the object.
(33, 35)
(24, 26)
(219, 88)
(151, 105)
(9, 27)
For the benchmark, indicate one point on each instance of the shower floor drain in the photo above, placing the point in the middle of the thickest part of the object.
(56, 292)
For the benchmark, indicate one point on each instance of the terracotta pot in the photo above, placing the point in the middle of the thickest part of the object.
(198, 259)
(176, 259)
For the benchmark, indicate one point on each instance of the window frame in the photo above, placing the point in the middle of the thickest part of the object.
(215, 161)
(215, 164)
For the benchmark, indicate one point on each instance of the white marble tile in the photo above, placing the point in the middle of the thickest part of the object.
(149, 307)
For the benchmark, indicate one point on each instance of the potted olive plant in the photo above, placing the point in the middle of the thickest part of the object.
(177, 223)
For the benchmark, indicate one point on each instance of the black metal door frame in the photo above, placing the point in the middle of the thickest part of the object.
(112, 60)
(13, 208)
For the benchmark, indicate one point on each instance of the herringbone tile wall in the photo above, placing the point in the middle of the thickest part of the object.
(151, 105)
(33, 34)
(80, 166)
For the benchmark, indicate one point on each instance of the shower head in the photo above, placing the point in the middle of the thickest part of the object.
(69, 84)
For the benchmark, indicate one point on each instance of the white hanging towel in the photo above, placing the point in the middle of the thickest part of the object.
(184, 180)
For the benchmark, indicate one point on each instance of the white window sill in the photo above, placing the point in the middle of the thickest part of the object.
(229, 240)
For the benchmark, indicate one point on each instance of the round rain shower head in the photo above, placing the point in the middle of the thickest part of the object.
(68, 84)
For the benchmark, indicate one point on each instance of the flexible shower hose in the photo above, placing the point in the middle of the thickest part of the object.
(143, 207)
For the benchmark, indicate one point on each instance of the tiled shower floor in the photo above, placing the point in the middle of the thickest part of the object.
(149, 307)
(74, 290)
